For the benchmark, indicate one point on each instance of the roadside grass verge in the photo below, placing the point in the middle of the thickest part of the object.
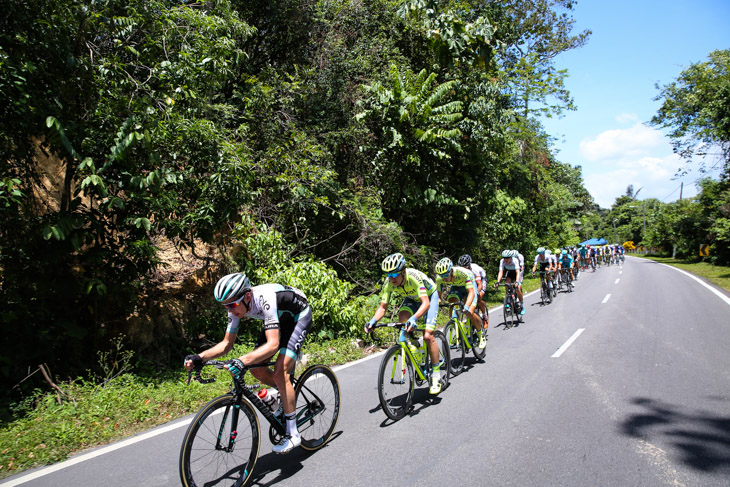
(93, 412)
(717, 274)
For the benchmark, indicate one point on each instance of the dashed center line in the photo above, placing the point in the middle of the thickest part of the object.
(617, 280)
(570, 341)
(605, 299)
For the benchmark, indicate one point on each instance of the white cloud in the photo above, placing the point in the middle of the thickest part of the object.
(621, 144)
(638, 155)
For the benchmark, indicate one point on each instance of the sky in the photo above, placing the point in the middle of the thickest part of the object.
(635, 45)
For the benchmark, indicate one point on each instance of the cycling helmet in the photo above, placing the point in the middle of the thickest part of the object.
(565, 252)
(508, 253)
(443, 266)
(232, 287)
(548, 252)
(541, 250)
(394, 263)
(465, 260)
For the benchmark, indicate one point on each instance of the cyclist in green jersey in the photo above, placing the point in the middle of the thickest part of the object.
(463, 288)
(420, 298)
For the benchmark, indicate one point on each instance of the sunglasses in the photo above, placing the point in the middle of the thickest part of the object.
(393, 275)
(445, 275)
(235, 303)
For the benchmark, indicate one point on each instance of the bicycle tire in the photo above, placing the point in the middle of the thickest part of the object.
(475, 336)
(457, 351)
(203, 461)
(543, 293)
(444, 358)
(318, 405)
(508, 313)
(395, 383)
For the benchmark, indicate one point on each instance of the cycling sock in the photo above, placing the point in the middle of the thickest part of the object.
(291, 424)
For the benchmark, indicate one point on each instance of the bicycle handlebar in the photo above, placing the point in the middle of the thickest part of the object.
(195, 373)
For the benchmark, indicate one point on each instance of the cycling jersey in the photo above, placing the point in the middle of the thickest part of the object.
(280, 307)
(512, 265)
(462, 279)
(416, 284)
(479, 274)
(543, 260)
(566, 261)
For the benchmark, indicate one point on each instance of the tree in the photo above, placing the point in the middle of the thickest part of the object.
(696, 110)
(539, 30)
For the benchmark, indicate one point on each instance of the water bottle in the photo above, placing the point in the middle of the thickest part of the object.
(270, 398)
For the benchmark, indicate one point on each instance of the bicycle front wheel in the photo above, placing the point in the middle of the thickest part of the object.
(508, 314)
(395, 383)
(475, 336)
(318, 405)
(221, 444)
(457, 350)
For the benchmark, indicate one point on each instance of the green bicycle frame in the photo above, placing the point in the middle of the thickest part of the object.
(408, 353)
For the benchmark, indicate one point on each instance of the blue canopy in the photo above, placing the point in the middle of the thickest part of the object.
(594, 241)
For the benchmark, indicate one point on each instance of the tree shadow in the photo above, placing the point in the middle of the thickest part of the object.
(701, 438)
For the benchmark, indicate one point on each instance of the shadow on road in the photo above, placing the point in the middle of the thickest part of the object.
(701, 438)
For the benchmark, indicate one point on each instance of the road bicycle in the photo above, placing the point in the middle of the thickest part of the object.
(221, 445)
(565, 278)
(405, 364)
(511, 305)
(546, 296)
(463, 337)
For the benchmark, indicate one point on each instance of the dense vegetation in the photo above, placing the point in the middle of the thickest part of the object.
(296, 141)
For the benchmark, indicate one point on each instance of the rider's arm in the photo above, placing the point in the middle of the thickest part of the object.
(219, 349)
(380, 312)
(265, 351)
(470, 296)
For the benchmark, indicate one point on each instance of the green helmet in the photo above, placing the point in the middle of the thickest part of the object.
(394, 263)
(443, 266)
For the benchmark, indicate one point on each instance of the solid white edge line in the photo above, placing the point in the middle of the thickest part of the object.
(605, 300)
(688, 274)
(170, 427)
(565, 345)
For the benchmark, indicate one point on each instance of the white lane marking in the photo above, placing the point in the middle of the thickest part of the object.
(568, 343)
(718, 293)
(159, 431)
(617, 280)
(620, 272)
(605, 299)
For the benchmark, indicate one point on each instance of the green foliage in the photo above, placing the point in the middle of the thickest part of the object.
(696, 109)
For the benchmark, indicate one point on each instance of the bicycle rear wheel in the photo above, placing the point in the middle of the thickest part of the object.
(444, 358)
(221, 445)
(318, 405)
(395, 383)
(457, 350)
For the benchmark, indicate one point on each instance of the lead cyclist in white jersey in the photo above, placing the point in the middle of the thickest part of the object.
(287, 320)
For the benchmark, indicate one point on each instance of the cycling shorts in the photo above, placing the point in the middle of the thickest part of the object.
(410, 304)
(292, 332)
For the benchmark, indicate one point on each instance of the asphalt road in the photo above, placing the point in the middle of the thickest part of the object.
(639, 397)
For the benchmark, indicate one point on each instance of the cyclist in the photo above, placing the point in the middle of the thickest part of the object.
(565, 261)
(521, 259)
(420, 298)
(511, 264)
(582, 255)
(463, 289)
(287, 320)
(481, 277)
(546, 265)
(592, 256)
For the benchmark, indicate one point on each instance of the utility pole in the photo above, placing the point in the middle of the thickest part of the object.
(681, 187)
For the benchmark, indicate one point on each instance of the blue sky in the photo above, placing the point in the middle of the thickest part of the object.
(634, 46)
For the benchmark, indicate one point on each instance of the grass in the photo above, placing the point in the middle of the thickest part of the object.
(719, 275)
(49, 429)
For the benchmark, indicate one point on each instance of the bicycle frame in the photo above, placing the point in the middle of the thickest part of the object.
(403, 342)
(461, 320)
(241, 391)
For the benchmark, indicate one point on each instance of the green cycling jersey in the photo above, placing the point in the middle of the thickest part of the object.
(461, 277)
(415, 285)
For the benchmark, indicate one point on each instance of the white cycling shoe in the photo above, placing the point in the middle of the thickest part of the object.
(287, 444)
